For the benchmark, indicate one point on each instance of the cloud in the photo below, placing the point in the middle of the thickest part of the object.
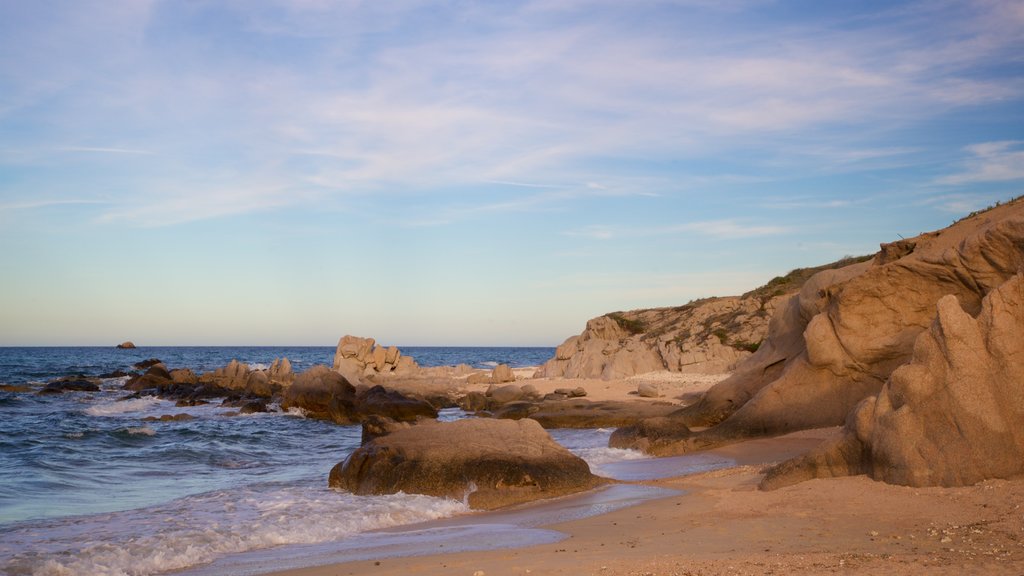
(102, 150)
(991, 162)
(726, 229)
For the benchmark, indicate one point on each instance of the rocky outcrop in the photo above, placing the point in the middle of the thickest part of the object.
(708, 336)
(491, 463)
(378, 401)
(357, 358)
(953, 416)
(323, 394)
(839, 339)
(76, 383)
(126, 345)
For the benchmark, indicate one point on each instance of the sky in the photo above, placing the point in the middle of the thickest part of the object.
(271, 172)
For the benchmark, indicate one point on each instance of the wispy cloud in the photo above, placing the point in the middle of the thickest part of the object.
(726, 229)
(100, 150)
(990, 162)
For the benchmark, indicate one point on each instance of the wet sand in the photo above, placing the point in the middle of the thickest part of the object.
(700, 514)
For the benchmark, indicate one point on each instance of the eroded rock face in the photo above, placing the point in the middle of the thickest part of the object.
(708, 336)
(837, 342)
(953, 416)
(495, 462)
(357, 358)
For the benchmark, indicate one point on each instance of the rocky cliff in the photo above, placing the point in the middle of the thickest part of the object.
(708, 336)
(838, 341)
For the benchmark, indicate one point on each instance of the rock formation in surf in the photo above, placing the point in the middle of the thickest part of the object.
(953, 416)
(494, 463)
(837, 341)
(357, 358)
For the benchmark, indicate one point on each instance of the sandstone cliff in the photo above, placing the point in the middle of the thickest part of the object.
(708, 336)
(837, 341)
(953, 416)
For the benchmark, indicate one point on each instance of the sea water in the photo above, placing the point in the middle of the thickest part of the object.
(87, 487)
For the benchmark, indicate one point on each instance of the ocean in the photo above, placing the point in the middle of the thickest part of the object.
(87, 487)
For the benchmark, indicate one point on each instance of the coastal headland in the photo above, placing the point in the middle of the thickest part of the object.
(872, 411)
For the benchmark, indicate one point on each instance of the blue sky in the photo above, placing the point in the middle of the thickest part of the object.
(473, 173)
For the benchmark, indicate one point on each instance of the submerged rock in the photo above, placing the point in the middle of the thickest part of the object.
(492, 463)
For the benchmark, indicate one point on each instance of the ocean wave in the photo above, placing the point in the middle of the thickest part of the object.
(197, 530)
(143, 430)
(124, 406)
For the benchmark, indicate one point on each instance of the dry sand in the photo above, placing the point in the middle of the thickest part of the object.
(675, 386)
(724, 525)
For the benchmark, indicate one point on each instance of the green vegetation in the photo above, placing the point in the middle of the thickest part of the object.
(991, 207)
(633, 326)
(795, 279)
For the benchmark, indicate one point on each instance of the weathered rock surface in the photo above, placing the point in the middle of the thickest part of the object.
(953, 416)
(495, 462)
(839, 339)
(707, 336)
(324, 394)
(378, 401)
(357, 358)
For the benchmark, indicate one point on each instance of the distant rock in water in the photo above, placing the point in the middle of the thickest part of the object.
(838, 341)
(127, 345)
(953, 416)
(357, 358)
(76, 383)
(494, 462)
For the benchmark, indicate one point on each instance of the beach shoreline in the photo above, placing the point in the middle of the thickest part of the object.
(717, 522)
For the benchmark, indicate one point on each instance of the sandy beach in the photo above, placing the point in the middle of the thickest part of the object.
(723, 525)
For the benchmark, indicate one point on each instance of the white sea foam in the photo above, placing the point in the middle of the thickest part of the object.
(143, 430)
(199, 529)
(123, 407)
(491, 364)
(297, 411)
(258, 366)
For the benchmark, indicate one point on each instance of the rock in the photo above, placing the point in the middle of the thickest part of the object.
(184, 376)
(234, 376)
(126, 345)
(15, 388)
(155, 377)
(323, 394)
(473, 402)
(531, 391)
(648, 390)
(953, 416)
(492, 463)
(376, 426)
(356, 358)
(502, 373)
(114, 374)
(578, 392)
(253, 407)
(75, 383)
(516, 410)
(478, 378)
(838, 341)
(379, 401)
(281, 372)
(580, 413)
(505, 394)
(169, 418)
(146, 363)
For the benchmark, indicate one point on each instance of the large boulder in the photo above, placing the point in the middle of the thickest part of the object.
(155, 377)
(356, 358)
(953, 416)
(392, 404)
(839, 339)
(492, 463)
(324, 394)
